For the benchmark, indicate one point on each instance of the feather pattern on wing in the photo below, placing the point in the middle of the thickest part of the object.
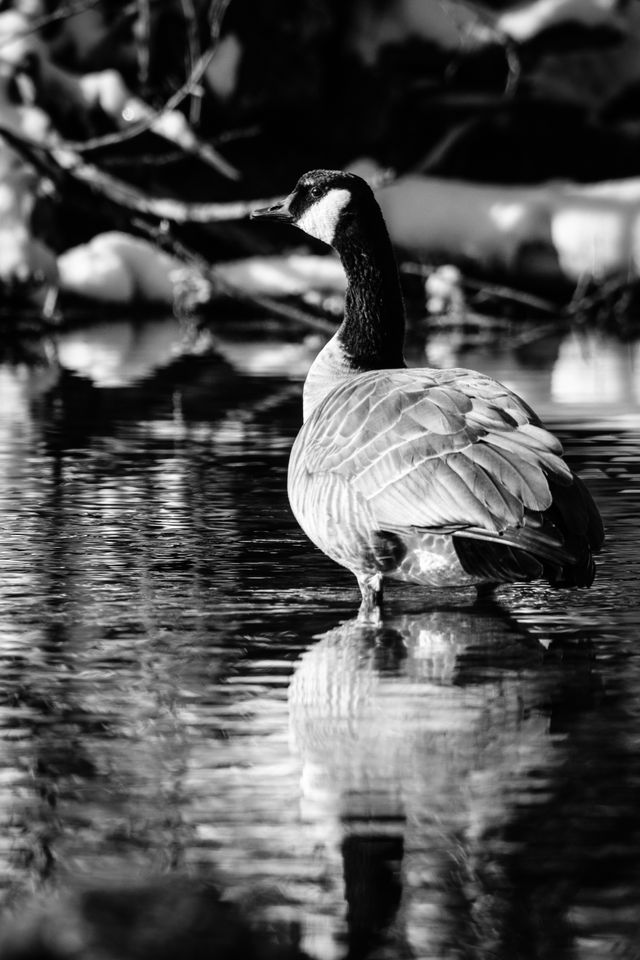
(428, 448)
(447, 449)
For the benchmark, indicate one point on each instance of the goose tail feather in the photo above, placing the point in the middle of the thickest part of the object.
(557, 545)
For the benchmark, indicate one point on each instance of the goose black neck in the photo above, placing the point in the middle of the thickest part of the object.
(372, 332)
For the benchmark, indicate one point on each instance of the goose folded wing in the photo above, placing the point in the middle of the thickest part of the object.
(437, 449)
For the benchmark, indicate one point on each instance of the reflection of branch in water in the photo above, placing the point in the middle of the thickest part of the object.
(417, 743)
(94, 746)
(71, 733)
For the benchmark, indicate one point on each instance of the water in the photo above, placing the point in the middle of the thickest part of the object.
(183, 690)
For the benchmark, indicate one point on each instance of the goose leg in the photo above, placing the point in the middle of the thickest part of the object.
(371, 589)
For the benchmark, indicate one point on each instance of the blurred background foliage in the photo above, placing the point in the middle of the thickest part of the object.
(504, 138)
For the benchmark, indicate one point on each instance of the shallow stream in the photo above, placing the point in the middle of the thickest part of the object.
(183, 688)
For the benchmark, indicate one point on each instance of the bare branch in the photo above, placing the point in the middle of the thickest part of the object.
(137, 116)
(142, 31)
(500, 291)
(64, 13)
(193, 52)
(217, 15)
(163, 208)
(473, 20)
(54, 161)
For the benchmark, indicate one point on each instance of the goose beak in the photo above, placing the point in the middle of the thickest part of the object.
(279, 211)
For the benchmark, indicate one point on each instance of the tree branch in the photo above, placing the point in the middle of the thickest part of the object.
(59, 162)
(218, 9)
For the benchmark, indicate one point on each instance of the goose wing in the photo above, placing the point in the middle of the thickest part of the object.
(455, 450)
(434, 448)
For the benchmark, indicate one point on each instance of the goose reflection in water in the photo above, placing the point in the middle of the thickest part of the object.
(419, 741)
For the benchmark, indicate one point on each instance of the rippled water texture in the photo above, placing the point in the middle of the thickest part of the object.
(183, 690)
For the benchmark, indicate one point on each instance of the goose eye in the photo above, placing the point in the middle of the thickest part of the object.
(315, 192)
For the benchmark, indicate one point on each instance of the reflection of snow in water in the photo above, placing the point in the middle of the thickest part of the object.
(118, 353)
(582, 374)
(270, 357)
(594, 369)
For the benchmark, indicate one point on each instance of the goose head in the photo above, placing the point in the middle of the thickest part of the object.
(326, 204)
(340, 209)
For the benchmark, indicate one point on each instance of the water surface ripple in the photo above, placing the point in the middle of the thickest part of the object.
(182, 691)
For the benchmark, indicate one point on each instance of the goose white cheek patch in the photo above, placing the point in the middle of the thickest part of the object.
(321, 218)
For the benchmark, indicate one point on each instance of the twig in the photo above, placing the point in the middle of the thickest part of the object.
(509, 293)
(488, 20)
(443, 147)
(193, 52)
(150, 118)
(582, 300)
(64, 13)
(278, 309)
(36, 154)
(490, 289)
(541, 330)
(164, 208)
(199, 68)
(142, 159)
(228, 136)
(142, 32)
(579, 298)
(514, 66)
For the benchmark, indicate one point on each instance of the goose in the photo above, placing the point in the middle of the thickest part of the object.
(443, 478)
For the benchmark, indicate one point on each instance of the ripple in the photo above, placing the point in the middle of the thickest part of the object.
(183, 691)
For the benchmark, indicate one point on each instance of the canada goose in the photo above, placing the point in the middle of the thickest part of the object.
(437, 477)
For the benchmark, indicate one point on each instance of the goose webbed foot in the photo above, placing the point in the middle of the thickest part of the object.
(371, 607)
